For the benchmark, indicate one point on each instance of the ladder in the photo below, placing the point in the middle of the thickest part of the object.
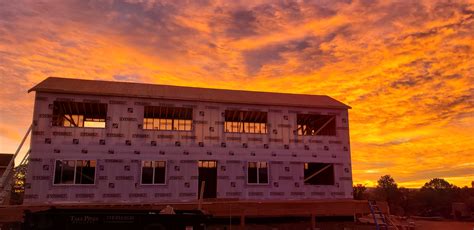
(7, 179)
(378, 215)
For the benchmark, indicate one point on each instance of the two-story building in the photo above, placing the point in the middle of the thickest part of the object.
(101, 141)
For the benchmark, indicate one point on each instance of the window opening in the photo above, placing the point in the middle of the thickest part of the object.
(168, 118)
(245, 121)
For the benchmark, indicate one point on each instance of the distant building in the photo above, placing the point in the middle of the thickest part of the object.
(99, 141)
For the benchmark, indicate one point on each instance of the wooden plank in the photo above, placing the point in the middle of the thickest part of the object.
(318, 172)
(324, 125)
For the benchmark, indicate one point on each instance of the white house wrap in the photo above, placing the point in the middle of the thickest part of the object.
(111, 142)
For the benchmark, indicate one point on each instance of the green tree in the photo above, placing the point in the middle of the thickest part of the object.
(409, 202)
(436, 197)
(438, 184)
(387, 190)
(359, 192)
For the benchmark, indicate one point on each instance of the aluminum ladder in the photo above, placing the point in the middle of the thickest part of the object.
(378, 215)
(6, 181)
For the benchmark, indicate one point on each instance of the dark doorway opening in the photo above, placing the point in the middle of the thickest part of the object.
(208, 173)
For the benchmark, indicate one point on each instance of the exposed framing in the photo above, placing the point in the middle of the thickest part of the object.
(319, 173)
(237, 121)
(167, 118)
(316, 125)
(79, 114)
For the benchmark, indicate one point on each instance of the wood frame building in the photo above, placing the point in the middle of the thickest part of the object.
(116, 142)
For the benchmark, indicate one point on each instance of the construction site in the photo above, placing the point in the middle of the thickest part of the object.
(140, 156)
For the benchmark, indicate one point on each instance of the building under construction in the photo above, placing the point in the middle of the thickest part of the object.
(98, 141)
(115, 143)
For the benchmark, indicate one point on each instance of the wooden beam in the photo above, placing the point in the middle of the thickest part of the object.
(312, 124)
(306, 120)
(102, 110)
(62, 114)
(78, 111)
(159, 117)
(258, 116)
(324, 125)
(65, 112)
(201, 194)
(190, 111)
(242, 222)
(234, 114)
(318, 172)
(91, 114)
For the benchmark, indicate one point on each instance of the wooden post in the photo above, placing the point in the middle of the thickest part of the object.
(201, 194)
(313, 221)
(242, 222)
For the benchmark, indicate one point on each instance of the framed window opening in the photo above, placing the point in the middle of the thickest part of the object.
(153, 173)
(316, 125)
(168, 118)
(257, 173)
(318, 173)
(79, 114)
(74, 172)
(237, 121)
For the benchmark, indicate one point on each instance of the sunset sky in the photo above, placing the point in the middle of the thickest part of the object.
(406, 67)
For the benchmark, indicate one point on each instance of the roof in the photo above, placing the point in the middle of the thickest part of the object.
(141, 90)
(5, 159)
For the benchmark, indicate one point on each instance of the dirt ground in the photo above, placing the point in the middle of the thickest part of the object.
(443, 225)
(420, 225)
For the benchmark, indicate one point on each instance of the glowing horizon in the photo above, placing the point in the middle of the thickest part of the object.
(405, 67)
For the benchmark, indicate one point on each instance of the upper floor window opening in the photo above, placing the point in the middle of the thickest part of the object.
(245, 121)
(79, 114)
(168, 118)
(316, 125)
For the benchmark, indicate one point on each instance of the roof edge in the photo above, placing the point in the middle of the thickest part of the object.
(34, 88)
(37, 88)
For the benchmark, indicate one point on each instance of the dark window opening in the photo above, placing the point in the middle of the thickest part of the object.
(74, 172)
(315, 124)
(153, 172)
(245, 121)
(168, 118)
(257, 173)
(79, 114)
(319, 173)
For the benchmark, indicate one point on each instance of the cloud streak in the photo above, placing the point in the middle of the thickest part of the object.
(404, 66)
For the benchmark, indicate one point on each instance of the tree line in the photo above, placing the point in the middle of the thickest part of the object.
(434, 198)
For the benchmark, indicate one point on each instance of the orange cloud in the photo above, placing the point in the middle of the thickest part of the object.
(404, 66)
